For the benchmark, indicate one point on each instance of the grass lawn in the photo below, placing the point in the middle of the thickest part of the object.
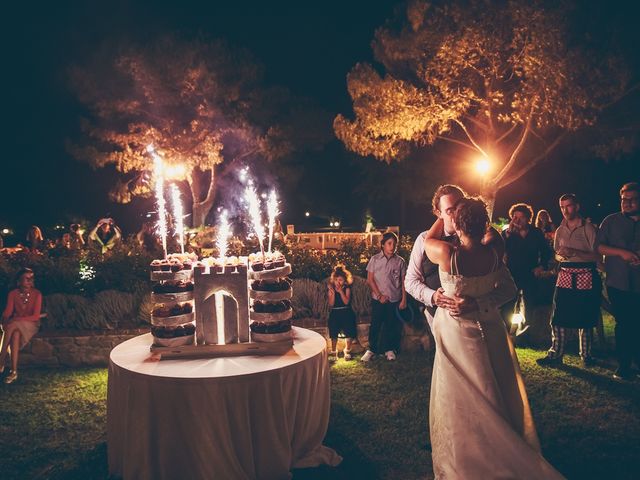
(53, 422)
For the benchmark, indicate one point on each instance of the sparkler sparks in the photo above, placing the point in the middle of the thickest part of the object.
(272, 212)
(253, 206)
(178, 215)
(224, 233)
(158, 173)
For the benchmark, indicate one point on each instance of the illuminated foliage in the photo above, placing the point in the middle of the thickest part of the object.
(201, 104)
(499, 79)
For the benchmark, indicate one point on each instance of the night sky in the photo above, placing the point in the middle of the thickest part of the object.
(308, 48)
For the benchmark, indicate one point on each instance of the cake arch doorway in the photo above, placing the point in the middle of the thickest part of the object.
(222, 315)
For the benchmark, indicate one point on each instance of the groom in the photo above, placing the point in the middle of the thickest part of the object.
(422, 280)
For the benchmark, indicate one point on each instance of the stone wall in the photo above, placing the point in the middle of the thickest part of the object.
(74, 348)
(92, 348)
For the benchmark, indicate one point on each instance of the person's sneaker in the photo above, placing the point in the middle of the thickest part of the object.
(623, 374)
(549, 361)
(588, 362)
(347, 355)
(333, 356)
(368, 355)
(12, 377)
(390, 355)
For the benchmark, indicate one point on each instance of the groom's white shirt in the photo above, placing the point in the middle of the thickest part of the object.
(414, 280)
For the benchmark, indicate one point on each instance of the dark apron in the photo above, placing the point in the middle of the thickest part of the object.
(576, 299)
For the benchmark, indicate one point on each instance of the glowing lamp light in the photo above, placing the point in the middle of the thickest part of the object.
(337, 224)
(517, 319)
(331, 224)
(483, 166)
(306, 214)
(5, 231)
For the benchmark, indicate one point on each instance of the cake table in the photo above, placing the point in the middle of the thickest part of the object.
(244, 417)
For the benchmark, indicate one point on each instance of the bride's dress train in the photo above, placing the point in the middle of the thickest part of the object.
(480, 422)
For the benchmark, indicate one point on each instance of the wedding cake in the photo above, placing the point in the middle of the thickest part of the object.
(270, 292)
(172, 316)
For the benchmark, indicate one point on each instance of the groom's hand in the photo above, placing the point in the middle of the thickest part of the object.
(439, 299)
(460, 305)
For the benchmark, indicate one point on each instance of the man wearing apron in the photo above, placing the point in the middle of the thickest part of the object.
(576, 300)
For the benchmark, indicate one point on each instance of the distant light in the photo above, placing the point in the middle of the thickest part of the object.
(337, 224)
(599, 205)
(483, 166)
(331, 224)
(6, 231)
(306, 214)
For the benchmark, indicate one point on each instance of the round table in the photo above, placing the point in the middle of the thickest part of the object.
(247, 417)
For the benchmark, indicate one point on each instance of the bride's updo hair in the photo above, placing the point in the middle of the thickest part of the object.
(471, 217)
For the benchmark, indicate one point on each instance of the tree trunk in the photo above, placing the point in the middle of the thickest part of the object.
(201, 206)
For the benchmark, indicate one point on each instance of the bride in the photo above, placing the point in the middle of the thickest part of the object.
(479, 417)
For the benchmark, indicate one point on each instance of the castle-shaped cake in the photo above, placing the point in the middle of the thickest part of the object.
(228, 305)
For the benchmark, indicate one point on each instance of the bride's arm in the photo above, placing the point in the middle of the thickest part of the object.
(437, 251)
(436, 231)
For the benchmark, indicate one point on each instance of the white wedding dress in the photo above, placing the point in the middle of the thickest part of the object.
(480, 422)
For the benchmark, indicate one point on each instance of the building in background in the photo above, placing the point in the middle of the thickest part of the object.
(333, 240)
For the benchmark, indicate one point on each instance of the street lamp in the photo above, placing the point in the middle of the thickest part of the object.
(306, 214)
(483, 166)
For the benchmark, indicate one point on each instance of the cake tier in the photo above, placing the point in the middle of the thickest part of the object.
(271, 337)
(172, 297)
(270, 296)
(182, 275)
(174, 342)
(173, 321)
(272, 274)
(271, 317)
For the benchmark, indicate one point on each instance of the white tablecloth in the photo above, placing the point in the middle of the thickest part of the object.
(223, 418)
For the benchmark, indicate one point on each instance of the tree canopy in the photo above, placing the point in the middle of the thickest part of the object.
(505, 81)
(202, 104)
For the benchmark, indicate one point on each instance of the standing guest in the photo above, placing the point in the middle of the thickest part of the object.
(576, 299)
(527, 253)
(423, 282)
(105, 235)
(77, 242)
(35, 240)
(64, 242)
(342, 318)
(546, 225)
(148, 239)
(20, 320)
(385, 276)
(619, 241)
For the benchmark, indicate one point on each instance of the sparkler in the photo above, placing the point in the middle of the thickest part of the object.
(178, 216)
(158, 174)
(224, 233)
(273, 212)
(253, 205)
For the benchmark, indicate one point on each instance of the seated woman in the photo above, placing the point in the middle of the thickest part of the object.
(20, 320)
